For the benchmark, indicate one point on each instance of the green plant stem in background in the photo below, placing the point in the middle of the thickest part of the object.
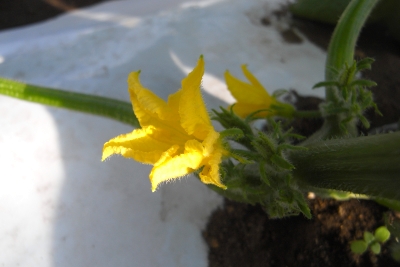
(364, 165)
(344, 38)
(327, 11)
(103, 106)
(340, 54)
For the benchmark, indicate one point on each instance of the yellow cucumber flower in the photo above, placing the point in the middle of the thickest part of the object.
(252, 96)
(177, 136)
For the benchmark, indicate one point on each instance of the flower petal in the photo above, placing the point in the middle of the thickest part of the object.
(244, 109)
(246, 93)
(138, 145)
(173, 105)
(172, 166)
(254, 81)
(152, 110)
(192, 110)
(210, 173)
(210, 142)
(146, 105)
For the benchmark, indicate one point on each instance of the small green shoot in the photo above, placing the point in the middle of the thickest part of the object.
(371, 241)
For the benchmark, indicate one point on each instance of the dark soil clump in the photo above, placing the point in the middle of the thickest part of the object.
(242, 235)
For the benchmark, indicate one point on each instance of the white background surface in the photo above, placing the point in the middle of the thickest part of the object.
(59, 204)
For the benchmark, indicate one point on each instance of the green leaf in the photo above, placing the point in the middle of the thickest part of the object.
(366, 83)
(382, 234)
(232, 133)
(263, 174)
(252, 116)
(365, 63)
(229, 120)
(302, 203)
(295, 136)
(377, 111)
(364, 121)
(358, 247)
(345, 92)
(376, 248)
(368, 237)
(281, 162)
(244, 156)
(326, 84)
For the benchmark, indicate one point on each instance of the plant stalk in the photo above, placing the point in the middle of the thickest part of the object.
(344, 38)
(103, 106)
(341, 52)
(367, 165)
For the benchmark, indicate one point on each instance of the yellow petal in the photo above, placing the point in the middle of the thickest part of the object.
(210, 173)
(153, 111)
(192, 110)
(254, 81)
(172, 166)
(138, 145)
(173, 105)
(146, 105)
(244, 109)
(210, 142)
(244, 92)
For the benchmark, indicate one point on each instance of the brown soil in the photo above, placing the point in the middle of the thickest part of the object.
(243, 235)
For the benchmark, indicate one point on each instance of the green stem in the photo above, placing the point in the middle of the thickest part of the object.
(344, 38)
(103, 106)
(341, 52)
(367, 165)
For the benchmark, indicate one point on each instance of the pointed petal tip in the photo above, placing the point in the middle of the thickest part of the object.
(134, 74)
(105, 156)
(154, 186)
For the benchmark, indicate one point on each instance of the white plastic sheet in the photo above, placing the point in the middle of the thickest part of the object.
(59, 204)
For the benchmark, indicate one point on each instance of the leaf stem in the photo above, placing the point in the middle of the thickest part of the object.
(103, 106)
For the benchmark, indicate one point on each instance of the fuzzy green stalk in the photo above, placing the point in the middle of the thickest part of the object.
(102, 106)
(344, 38)
(340, 53)
(367, 165)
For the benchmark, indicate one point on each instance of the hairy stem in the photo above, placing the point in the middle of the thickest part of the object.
(341, 52)
(344, 38)
(364, 165)
(103, 106)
